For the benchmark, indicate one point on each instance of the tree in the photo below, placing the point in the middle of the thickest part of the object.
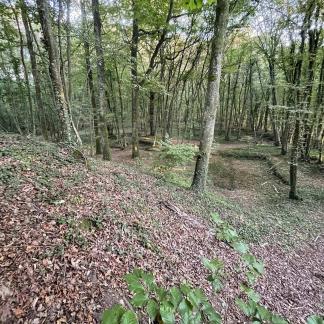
(212, 95)
(50, 45)
(86, 46)
(135, 86)
(106, 153)
(34, 68)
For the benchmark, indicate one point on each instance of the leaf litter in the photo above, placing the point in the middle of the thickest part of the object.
(70, 234)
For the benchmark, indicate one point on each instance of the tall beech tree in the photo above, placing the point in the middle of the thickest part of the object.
(212, 95)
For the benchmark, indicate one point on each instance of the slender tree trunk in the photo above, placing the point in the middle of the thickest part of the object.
(212, 96)
(101, 80)
(68, 50)
(121, 102)
(135, 88)
(60, 50)
(152, 113)
(272, 75)
(34, 69)
(90, 79)
(35, 72)
(294, 161)
(30, 104)
(50, 45)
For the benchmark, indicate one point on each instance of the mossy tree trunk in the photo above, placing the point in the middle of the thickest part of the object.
(34, 69)
(51, 48)
(212, 95)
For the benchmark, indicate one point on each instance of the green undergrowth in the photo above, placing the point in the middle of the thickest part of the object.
(183, 303)
(257, 152)
(37, 162)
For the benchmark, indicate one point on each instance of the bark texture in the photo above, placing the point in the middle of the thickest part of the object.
(106, 153)
(50, 45)
(212, 95)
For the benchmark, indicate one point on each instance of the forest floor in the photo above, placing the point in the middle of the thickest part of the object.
(70, 231)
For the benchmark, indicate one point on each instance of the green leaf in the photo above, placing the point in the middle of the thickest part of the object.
(315, 319)
(252, 275)
(129, 317)
(113, 314)
(247, 309)
(259, 266)
(196, 318)
(167, 313)
(176, 296)
(136, 287)
(263, 313)
(148, 279)
(250, 293)
(214, 265)
(248, 258)
(212, 315)
(276, 319)
(184, 308)
(217, 285)
(185, 318)
(161, 292)
(210, 278)
(138, 273)
(217, 219)
(140, 299)
(240, 247)
(152, 309)
(195, 297)
(185, 288)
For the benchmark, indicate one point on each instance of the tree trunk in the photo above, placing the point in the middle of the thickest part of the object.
(90, 79)
(34, 69)
(135, 88)
(212, 95)
(101, 80)
(50, 45)
(68, 50)
(152, 113)
(294, 161)
(30, 104)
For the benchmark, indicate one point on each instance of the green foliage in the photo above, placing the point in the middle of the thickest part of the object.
(159, 304)
(217, 271)
(190, 305)
(315, 319)
(175, 155)
(228, 234)
(256, 312)
(119, 315)
(196, 4)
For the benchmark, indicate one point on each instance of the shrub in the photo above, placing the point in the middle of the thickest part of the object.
(175, 155)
